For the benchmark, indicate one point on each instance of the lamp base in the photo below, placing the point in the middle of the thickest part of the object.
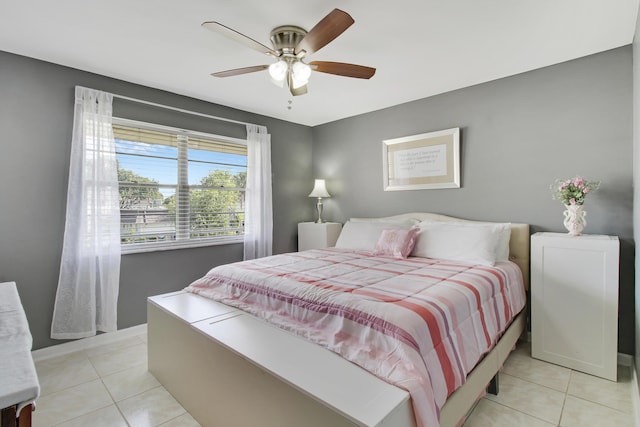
(319, 208)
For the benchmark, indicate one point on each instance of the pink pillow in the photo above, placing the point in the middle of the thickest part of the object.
(397, 243)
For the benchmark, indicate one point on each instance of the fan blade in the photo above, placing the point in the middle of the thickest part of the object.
(217, 27)
(325, 31)
(238, 71)
(342, 69)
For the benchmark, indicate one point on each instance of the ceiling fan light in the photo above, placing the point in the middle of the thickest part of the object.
(297, 83)
(278, 71)
(279, 83)
(301, 72)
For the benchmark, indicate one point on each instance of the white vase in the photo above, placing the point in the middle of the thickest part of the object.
(575, 219)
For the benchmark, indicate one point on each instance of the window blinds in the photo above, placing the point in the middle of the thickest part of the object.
(178, 186)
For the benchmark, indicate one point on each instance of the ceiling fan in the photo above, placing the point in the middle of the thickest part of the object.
(291, 46)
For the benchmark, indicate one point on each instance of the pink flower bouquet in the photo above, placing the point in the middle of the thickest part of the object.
(573, 191)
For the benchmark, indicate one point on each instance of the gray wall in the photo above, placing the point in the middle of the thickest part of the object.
(518, 135)
(36, 116)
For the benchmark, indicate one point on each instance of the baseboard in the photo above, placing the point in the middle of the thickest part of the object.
(87, 343)
(635, 394)
(625, 359)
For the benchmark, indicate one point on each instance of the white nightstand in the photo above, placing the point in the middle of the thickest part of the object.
(574, 301)
(312, 235)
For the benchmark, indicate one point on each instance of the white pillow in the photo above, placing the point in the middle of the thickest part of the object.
(502, 229)
(473, 243)
(363, 236)
(502, 245)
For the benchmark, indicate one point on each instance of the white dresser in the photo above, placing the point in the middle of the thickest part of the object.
(574, 301)
(312, 235)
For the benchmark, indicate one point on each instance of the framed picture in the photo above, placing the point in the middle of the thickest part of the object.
(426, 161)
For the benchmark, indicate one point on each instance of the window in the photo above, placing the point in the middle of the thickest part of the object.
(178, 188)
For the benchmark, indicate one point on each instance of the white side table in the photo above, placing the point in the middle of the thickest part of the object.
(312, 235)
(19, 386)
(574, 301)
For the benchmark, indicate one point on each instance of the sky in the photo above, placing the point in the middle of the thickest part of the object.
(159, 162)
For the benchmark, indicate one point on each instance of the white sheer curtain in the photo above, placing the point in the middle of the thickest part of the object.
(258, 232)
(86, 300)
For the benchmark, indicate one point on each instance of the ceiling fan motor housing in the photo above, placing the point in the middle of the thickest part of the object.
(286, 38)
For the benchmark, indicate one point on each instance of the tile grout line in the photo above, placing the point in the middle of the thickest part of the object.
(567, 393)
(107, 389)
(136, 395)
(604, 405)
(88, 343)
(520, 411)
(113, 399)
(564, 399)
(535, 383)
(80, 416)
(89, 359)
(99, 377)
(87, 350)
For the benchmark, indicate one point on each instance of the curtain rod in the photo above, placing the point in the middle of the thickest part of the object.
(180, 110)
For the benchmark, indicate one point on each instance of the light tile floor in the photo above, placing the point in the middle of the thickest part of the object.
(105, 386)
(536, 393)
(110, 386)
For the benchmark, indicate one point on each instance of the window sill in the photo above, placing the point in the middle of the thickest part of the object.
(137, 248)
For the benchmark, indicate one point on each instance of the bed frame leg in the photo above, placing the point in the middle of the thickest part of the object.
(494, 386)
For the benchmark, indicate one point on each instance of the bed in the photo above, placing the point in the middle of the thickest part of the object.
(237, 352)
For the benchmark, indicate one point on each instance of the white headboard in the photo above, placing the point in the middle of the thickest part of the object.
(518, 244)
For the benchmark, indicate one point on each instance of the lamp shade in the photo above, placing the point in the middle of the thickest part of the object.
(300, 73)
(319, 189)
(278, 70)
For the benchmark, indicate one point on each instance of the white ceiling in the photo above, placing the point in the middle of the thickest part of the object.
(419, 47)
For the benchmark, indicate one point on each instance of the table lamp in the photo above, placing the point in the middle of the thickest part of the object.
(319, 191)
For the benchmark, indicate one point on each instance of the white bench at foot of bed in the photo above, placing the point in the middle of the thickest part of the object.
(228, 368)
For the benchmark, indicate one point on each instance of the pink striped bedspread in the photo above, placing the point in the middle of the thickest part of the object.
(418, 323)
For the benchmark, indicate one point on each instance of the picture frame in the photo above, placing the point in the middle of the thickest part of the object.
(422, 162)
